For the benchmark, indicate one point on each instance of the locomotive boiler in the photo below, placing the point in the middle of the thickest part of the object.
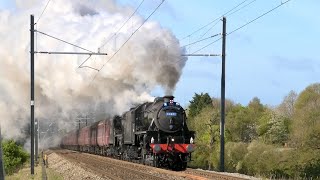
(153, 133)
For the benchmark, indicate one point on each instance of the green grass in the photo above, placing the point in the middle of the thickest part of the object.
(52, 175)
(25, 174)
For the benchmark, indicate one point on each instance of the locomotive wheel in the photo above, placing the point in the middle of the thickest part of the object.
(178, 164)
(143, 157)
(183, 166)
(155, 160)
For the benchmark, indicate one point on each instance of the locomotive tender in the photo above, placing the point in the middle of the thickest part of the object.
(154, 133)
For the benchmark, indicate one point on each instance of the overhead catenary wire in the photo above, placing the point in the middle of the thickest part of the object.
(81, 65)
(89, 67)
(240, 27)
(65, 52)
(214, 20)
(122, 25)
(128, 39)
(43, 11)
(194, 53)
(201, 40)
(63, 41)
(36, 44)
(282, 3)
(206, 45)
(84, 61)
(209, 29)
(229, 14)
(241, 8)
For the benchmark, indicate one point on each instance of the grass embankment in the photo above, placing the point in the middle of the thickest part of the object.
(24, 174)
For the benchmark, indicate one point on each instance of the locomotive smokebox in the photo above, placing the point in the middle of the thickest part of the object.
(168, 98)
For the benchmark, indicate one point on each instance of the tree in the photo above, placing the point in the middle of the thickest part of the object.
(286, 108)
(306, 120)
(264, 122)
(205, 115)
(198, 102)
(207, 137)
(241, 124)
(216, 103)
(14, 156)
(278, 131)
(256, 108)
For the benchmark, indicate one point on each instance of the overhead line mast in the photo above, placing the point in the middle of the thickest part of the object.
(32, 104)
(32, 91)
(222, 105)
(223, 92)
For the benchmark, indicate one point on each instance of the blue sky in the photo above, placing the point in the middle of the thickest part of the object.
(267, 58)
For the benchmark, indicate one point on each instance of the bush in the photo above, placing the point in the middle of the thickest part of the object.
(307, 163)
(14, 156)
(235, 153)
(266, 160)
(312, 169)
(199, 159)
(205, 157)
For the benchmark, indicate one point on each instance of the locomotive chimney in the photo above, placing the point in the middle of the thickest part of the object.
(168, 98)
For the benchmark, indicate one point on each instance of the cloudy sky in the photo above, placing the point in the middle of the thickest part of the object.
(136, 65)
(267, 58)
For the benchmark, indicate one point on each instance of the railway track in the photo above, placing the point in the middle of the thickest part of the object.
(212, 175)
(108, 168)
(114, 169)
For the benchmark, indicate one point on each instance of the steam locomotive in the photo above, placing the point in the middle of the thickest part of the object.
(153, 133)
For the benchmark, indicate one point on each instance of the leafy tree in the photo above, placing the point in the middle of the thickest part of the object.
(198, 102)
(306, 120)
(286, 108)
(256, 107)
(244, 121)
(216, 102)
(255, 135)
(278, 132)
(264, 122)
(207, 126)
(309, 96)
(241, 125)
(14, 156)
(256, 110)
(207, 130)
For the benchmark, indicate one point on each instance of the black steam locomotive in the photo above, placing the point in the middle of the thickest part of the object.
(153, 133)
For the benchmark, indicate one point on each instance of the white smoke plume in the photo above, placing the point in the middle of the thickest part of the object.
(151, 58)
